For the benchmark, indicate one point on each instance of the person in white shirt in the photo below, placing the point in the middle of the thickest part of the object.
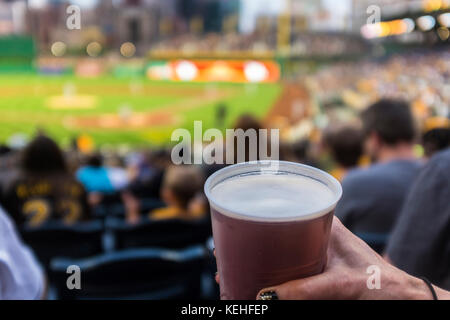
(21, 277)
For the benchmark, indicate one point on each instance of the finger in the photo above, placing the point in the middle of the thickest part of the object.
(312, 288)
(217, 278)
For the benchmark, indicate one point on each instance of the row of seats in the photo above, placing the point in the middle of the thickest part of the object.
(151, 273)
(173, 233)
(115, 207)
(150, 260)
(55, 239)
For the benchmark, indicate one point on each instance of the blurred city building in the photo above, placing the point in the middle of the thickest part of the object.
(286, 27)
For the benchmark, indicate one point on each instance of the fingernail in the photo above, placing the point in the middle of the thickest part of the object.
(268, 295)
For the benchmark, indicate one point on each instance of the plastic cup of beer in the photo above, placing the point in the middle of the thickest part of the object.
(269, 226)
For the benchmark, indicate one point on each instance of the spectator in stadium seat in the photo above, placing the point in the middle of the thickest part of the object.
(346, 147)
(145, 182)
(181, 189)
(420, 241)
(44, 189)
(20, 275)
(436, 140)
(373, 197)
(246, 122)
(147, 174)
(302, 152)
(101, 181)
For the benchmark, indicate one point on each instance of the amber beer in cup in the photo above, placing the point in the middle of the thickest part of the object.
(269, 226)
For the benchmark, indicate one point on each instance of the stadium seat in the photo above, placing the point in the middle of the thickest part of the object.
(171, 233)
(134, 274)
(55, 239)
(377, 241)
(117, 208)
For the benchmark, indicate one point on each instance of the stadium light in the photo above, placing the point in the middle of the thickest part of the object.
(433, 5)
(186, 70)
(255, 71)
(93, 49)
(375, 30)
(368, 31)
(127, 49)
(58, 48)
(426, 23)
(444, 19)
(410, 25)
(387, 28)
(443, 33)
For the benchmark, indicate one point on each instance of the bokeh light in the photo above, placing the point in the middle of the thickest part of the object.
(93, 49)
(444, 19)
(186, 71)
(432, 5)
(426, 23)
(443, 33)
(387, 28)
(59, 48)
(127, 49)
(410, 25)
(255, 71)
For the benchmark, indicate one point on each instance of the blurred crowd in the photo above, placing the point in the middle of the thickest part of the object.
(43, 182)
(422, 79)
(259, 42)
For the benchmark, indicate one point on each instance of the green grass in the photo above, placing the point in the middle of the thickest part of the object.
(24, 109)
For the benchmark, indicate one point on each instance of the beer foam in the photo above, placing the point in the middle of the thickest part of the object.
(268, 196)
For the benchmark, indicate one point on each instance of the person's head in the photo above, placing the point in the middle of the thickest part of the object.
(5, 150)
(436, 140)
(95, 160)
(345, 144)
(43, 156)
(247, 122)
(387, 124)
(300, 150)
(181, 184)
(161, 158)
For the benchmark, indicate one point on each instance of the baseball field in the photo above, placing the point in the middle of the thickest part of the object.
(121, 111)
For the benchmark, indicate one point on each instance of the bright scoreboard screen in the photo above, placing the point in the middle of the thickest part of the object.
(240, 71)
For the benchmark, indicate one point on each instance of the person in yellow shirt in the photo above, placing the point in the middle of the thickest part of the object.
(181, 191)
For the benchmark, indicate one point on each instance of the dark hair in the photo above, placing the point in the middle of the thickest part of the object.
(4, 150)
(42, 155)
(301, 148)
(391, 119)
(95, 160)
(247, 122)
(346, 145)
(436, 140)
